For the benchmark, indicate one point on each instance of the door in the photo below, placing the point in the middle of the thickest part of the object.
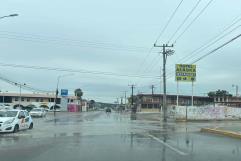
(22, 122)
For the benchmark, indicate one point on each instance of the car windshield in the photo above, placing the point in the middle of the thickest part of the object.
(8, 113)
(120, 80)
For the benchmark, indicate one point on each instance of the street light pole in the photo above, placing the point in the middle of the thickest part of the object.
(57, 90)
(20, 92)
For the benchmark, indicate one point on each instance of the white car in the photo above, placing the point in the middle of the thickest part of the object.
(38, 112)
(15, 120)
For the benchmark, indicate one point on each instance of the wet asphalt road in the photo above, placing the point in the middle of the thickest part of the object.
(95, 136)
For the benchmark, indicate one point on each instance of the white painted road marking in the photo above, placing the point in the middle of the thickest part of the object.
(167, 145)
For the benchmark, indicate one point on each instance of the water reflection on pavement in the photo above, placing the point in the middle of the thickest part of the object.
(98, 136)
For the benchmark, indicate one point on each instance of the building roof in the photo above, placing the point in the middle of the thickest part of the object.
(171, 95)
(33, 95)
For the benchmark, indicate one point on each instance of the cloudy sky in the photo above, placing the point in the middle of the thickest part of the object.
(106, 44)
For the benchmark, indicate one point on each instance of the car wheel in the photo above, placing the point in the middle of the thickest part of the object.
(31, 126)
(16, 128)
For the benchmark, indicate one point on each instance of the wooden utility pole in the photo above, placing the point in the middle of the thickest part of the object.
(165, 53)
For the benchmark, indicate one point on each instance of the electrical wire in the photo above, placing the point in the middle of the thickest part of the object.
(62, 42)
(209, 53)
(214, 50)
(168, 22)
(27, 87)
(76, 71)
(190, 24)
(185, 19)
(212, 40)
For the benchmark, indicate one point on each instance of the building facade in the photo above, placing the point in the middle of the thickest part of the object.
(38, 100)
(154, 102)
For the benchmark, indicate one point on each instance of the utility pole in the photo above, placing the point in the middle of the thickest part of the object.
(165, 53)
(152, 93)
(20, 92)
(152, 89)
(132, 90)
(236, 89)
(125, 98)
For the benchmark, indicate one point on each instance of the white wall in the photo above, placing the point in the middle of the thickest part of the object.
(206, 112)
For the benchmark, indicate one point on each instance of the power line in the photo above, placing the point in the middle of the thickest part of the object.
(207, 44)
(76, 71)
(58, 38)
(24, 86)
(169, 20)
(189, 25)
(214, 50)
(163, 30)
(216, 40)
(211, 52)
(151, 65)
(85, 44)
(183, 22)
(145, 58)
(212, 41)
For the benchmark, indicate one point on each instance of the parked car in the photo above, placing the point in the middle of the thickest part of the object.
(15, 120)
(108, 110)
(38, 112)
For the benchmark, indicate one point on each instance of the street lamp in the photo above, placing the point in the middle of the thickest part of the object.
(20, 92)
(57, 89)
(11, 15)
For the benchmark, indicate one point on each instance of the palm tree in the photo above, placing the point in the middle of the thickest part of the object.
(79, 93)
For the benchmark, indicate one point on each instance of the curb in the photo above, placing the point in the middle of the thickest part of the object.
(222, 132)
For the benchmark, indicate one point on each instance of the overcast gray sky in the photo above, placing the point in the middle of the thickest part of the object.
(113, 36)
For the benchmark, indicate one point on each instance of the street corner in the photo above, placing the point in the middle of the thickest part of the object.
(222, 132)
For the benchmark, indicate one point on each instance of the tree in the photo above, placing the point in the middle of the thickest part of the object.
(219, 93)
(135, 98)
(78, 93)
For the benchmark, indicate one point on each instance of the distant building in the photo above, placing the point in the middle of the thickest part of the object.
(232, 101)
(154, 102)
(44, 100)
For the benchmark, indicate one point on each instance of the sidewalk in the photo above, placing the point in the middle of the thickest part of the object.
(233, 131)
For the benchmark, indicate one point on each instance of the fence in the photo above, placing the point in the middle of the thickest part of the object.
(205, 112)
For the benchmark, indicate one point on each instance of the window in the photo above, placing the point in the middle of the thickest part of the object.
(16, 98)
(26, 113)
(22, 99)
(41, 99)
(28, 99)
(21, 114)
(37, 100)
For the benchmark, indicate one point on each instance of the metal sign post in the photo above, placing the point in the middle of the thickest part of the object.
(192, 92)
(185, 73)
(177, 92)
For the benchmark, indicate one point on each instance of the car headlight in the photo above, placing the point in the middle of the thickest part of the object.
(9, 121)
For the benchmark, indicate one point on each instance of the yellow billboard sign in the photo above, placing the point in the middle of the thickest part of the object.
(185, 72)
